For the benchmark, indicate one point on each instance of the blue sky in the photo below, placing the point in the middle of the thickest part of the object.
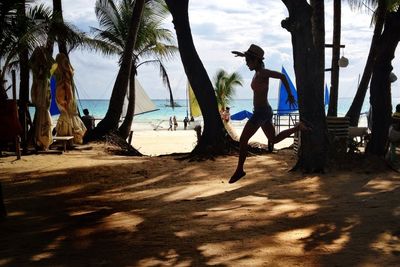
(219, 27)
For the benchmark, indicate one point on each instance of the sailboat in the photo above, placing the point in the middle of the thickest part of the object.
(175, 104)
(143, 103)
(193, 105)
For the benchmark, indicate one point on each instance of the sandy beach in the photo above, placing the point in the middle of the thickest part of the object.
(161, 141)
(87, 207)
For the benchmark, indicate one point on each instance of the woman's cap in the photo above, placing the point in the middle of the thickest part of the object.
(254, 51)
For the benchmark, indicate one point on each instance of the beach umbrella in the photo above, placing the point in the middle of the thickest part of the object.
(284, 107)
(241, 115)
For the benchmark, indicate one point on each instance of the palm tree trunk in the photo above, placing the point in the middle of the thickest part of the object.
(381, 100)
(313, 151)
(62, 46)
(110, 121)
(355, 109)
(334, 90)
(213, 134)
(125, 127)
(24, 84)
(318, 32)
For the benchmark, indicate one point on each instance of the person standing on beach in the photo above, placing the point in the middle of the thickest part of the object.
(262, 115)
(170, 124)
(175, 123)
(226, 115)
(185, 122)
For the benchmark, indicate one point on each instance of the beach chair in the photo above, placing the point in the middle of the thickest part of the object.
(296, 142)
(338, 133)
(357, 139)
(393, 149)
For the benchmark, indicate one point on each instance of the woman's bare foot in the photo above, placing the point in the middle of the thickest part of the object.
(236, 176)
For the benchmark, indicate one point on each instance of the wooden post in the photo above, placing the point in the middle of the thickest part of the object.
(14, 95)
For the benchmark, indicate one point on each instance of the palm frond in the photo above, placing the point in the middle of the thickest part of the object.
(163, 74)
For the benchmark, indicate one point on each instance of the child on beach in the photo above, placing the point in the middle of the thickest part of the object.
(262, 115)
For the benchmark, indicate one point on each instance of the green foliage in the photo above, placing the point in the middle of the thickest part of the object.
(153, 44)
(20, 32)
(225, 87)
(38, 27)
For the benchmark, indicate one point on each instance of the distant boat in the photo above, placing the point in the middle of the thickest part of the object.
(175, 105)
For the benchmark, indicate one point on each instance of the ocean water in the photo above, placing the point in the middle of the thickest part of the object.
(98, 108)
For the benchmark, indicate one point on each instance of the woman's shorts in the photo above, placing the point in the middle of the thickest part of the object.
(261, 116)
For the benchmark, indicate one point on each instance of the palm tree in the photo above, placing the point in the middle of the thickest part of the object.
(21, 32)
(24, 29)
(110, 121)
(379, 17)
(153, 44)
(67, 36)
(334, 92)
(380, 91)
(213, 139)
(57, 8)
(309, 73)
(378, 65)
(224, 86)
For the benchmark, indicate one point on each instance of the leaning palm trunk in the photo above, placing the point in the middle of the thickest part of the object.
(313, 150)
(380, 84)
(110, 121)
(126, 125)
(213, 137)
(355, 109)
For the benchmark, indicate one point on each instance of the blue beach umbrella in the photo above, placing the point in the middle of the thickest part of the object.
(283, 106)
(241, 115)
(326, 95)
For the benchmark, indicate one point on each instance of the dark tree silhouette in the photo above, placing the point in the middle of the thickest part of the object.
(213, 140)
(381, 99)
(110, 121)
(306, 56)
(355, 109)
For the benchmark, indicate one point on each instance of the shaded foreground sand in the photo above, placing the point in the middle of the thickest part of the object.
(90, 208)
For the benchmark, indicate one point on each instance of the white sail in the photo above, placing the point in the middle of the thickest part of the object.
(143, 103)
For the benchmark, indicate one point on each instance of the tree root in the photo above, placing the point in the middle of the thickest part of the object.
(116, 144)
